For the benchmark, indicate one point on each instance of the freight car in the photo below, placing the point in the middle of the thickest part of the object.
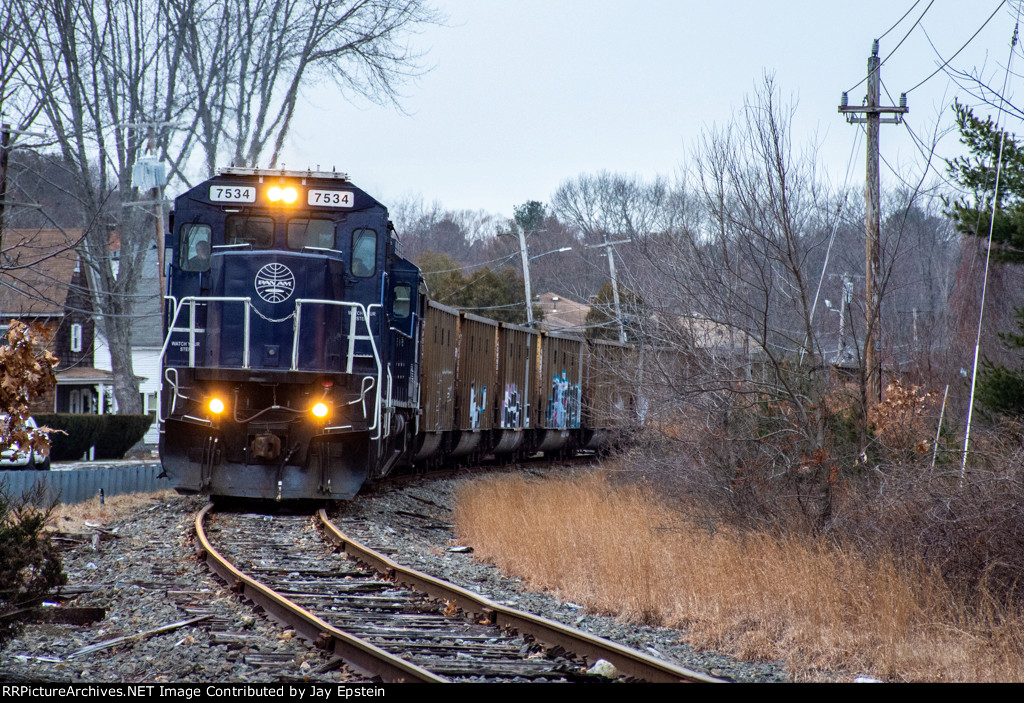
(302, 357)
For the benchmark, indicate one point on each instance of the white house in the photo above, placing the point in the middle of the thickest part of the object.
(147, 340)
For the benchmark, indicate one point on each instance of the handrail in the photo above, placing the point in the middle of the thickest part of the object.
(191, 329)
(357, 311)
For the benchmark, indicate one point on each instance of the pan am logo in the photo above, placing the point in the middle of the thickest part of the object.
(275, 283)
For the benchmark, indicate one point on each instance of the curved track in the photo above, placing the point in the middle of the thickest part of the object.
(394, 622)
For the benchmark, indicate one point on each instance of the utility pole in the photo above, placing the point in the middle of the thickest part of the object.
(526, 276)
(610, 253)
(148, 174)
(844, 352)
(5, 144)
(871, 114)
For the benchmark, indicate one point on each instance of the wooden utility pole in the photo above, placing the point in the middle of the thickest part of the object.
(526, 276)
(5, 144)
(610, 253)
(870, 113)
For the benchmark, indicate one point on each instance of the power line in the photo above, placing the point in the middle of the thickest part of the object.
(889, 55)
(482, 263)
(946, 62)
(919, 143)
(916, 3)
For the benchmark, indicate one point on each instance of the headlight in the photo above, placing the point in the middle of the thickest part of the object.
(216, 406)
(319, 410)
(287, 194)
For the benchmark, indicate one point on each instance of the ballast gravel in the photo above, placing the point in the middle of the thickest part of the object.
(144, 570)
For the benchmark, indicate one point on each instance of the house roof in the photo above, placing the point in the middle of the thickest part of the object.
(561, 312)
(711, 335)
(78, 375)
(36, 267)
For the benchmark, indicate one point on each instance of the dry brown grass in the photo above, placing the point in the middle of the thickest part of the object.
(619, 551)
(72, 518)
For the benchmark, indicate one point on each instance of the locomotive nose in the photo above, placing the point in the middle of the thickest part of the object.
(274, 282)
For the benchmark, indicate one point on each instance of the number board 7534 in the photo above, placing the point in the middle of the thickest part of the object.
(232, 194)
(331, 198)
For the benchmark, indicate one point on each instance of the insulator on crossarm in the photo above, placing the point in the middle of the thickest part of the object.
(903, 99)
(845, 100)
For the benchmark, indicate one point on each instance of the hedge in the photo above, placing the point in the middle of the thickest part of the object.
(112, 435)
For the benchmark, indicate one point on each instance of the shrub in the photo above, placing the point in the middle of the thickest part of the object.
(77, 433)
(112, 435)
(29, 563)
(120, 433)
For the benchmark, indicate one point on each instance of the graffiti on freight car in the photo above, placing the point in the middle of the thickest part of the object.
(476, 408)
(564, 404)
(511, 410)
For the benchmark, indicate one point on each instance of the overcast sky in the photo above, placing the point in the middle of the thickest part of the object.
(523, 95)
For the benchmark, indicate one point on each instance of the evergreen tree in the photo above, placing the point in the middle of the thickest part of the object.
(1000, 389)
(976, 172)
(499, 295)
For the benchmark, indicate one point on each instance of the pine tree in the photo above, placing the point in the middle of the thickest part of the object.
(976, 172)
(1000, 389)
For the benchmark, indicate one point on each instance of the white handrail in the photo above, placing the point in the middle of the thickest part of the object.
(191, 329)
(357, 311)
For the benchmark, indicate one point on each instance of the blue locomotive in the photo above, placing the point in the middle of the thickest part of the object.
(291, 328)
(303, 359)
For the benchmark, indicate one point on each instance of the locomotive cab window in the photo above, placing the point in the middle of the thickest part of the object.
(257, 231)
(364, 252)
(403, 301)
(310, 233)
(194, 254)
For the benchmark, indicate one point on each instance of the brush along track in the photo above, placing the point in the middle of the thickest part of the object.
(404, 625)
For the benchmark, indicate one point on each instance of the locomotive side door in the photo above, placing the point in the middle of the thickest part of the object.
(403, 327)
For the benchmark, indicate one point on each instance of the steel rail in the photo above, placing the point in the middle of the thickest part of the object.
(362, 656)
(628, 661)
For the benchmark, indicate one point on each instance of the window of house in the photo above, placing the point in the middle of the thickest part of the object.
(364, 252)
(76, 338)
(75, 402)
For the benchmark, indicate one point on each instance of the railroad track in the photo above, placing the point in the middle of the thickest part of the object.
(388, 621)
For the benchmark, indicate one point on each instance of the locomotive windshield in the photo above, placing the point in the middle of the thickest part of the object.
(243, 229)
(310, 233)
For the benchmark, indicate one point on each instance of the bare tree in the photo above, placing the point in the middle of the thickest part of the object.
(732, 349)
(111, 76)
(245, 93)
(95, 68)
(610, 209)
